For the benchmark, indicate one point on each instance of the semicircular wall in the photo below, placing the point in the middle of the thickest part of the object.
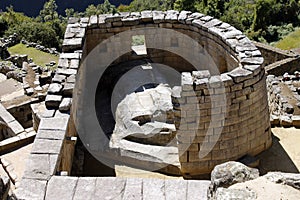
(223, 113)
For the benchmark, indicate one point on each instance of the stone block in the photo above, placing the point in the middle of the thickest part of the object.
(158, 16)
(72, 44)
(85, 188)
(53, 101)
(65, 105)
(40, 166)
(5, 115)
(68, 89)
(58, 78)
(183, 15)
(239, 74)
(16, 127)
(31, 189)
(197, 189)
(133, 189)
(61, 187)
(93, 23)
(146, 16)
(46, 146)
(51, 134)
(54, 88)
(171, 16)
(153, 189)
(111, 188)
(54, 124)
(66, 72)
(175, 189)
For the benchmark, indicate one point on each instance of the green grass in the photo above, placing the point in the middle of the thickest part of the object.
(39, 57)
(291, 41)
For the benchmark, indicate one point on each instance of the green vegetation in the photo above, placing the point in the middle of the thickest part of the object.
(262, 20)
(39, 57)
(291, 41)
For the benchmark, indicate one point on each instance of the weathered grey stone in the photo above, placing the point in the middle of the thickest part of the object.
(201, 74)
(253, 60)
(146, 16)
(40, 166)
(239, 74)
(288, 108)
(31, 189)
(153, 189)
(55, 184)
(290, 179)
(112, 188)
(5, 115)
(133, 189)
(53, 101)
(197, 189)
(74, 64)
(215, 82)
(183, 16)
(51, 134)
(68, 89)
(46, 146)
(54, 88)
(59, 78)
(47, 113)
(72, 44)
(131, 21)
(158, 16)
(85, 188)
(63, 63)
(229, 173)
(16, 127)
(171, 16)
(53, 124)
(93, 23)
(69, 55)
(66, 72)
(238, 194)
(176, 189)
(71, 79)
(65, 105)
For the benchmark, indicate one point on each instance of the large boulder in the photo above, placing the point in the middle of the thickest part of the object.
(229, 173)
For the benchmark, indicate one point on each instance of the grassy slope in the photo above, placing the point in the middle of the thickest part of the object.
(291, 41)
(39, 57)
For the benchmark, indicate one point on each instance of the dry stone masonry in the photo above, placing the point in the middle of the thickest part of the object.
(222, 113)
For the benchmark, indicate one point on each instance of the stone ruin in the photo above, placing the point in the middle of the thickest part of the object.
(215, 111)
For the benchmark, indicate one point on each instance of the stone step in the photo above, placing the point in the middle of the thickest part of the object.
(63, 187)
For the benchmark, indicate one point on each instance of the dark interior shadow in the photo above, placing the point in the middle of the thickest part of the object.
(276, 159)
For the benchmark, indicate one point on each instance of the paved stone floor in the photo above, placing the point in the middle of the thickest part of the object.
(18, 158)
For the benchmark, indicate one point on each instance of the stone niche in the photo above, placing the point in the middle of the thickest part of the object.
(221, 110)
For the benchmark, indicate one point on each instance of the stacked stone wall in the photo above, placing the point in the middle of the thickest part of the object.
(231, 98)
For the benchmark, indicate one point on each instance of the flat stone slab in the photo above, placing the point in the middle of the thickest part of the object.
(54, 124)
(40, 166)
(51, 134)
(31, 189)
(47, 146)
(16, 127)
(61, 188)
(85, 188)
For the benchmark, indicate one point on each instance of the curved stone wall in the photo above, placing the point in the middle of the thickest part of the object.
(223, 113)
